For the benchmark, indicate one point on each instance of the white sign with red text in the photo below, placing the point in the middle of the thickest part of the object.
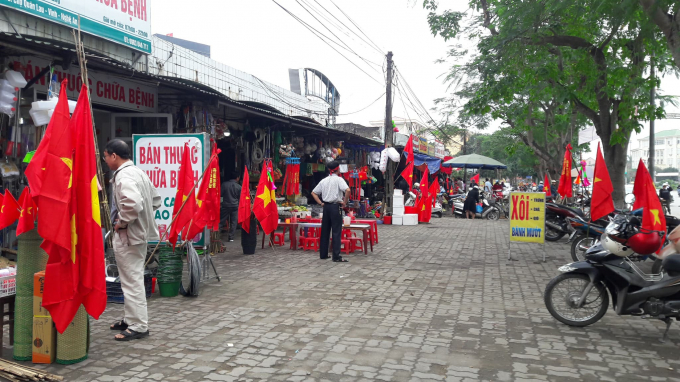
(105, 89)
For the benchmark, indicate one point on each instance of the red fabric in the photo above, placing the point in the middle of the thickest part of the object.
(475, 179)
(208, 198)
(546, 186)
(565, 188)
(185, 191)
(601, 203)
(27, 218)
(446, 170)
(85, 266)
(264, 208)
(408, 149)
(434, 190)
(10, 210)
(218, 198)
(407, 174)
(52, 166)
(244, 206)
(424, 203)
(646, 198)
(292, 179)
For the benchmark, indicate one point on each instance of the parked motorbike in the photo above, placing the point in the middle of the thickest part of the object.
(489, 211)
(580, 295)
(585, 235)
(556, 225)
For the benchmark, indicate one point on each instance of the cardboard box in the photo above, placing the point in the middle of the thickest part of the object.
(410, 219)
(397, 220)
(38, 286)
(397, 211)
(398, 201)
(44, 340)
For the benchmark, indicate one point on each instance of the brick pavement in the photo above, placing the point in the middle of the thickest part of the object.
(435, 302)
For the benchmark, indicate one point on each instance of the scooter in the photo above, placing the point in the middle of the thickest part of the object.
(580, 295)
(556, 225)
(489, 211)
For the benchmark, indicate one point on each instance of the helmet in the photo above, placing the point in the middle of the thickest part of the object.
(645, 242)
(614, 247)
(416, 185)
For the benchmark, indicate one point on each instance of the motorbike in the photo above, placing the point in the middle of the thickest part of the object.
(556, 225)
(580, 295)
(489, 211)
(584, 236)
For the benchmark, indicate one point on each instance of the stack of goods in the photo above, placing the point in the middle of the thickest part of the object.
(170, 268)
(398, 208)
(73, 344)
(8, 275)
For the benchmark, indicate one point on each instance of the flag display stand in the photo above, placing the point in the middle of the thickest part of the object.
(527, 219)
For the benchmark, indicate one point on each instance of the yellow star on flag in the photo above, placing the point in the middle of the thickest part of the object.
(597, 180)
(656, 216)
(266, 196)
(68, 162)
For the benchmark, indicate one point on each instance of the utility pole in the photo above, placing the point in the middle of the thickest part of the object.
(652, 100)
(389, 136)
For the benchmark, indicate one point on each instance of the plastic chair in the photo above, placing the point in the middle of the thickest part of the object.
(357, 243)
(345, 246)
(311, 243)
(278, 238)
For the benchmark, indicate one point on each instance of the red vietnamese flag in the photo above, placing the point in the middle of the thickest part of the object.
(601, 202)
(244, 206)
(475, 179)
(27, 218)
(653, 217)
(434, 191)
(407, 174)
(408, 149)
(84, 265)
(10, 210)
(546, 186)
(185, 195)
(264, 208)
(424, 203)
(565, 188)
(52, 166)
(217, 197)
(208, 198)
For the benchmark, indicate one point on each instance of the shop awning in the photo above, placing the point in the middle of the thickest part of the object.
(433, 164)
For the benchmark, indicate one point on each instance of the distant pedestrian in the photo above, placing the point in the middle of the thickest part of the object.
(231, 194)
(488, 187)
(470, 206)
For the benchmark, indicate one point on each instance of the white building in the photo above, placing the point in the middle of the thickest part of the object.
(667, 149)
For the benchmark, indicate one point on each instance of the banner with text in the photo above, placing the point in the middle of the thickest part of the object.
(105, 89)
(125, 22)
(159, 156)
(527, 217)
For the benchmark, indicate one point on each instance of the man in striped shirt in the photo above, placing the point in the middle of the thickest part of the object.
(335, 193)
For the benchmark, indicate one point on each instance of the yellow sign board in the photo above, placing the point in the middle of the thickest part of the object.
(527, 217)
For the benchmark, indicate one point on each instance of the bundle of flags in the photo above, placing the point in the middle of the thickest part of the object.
(407, 173)
(192, 214)
(62, 177)
(264, 206)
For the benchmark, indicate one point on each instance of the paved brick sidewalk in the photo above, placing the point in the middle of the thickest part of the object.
(435, 302)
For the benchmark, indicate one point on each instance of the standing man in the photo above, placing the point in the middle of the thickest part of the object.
(666, 198)
(488, 186)
(135, 199)
(231, 193)
(335, 193)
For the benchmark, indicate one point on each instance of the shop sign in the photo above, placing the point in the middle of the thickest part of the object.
(416, 143)
(439, 150)
(159, 156)
(430, 149)
(105, 89)
(423, 145)
(527, 217)
(125, 22)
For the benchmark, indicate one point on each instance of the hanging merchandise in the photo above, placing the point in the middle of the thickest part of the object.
(291, 181)
(383, 161)
(374, 160)
(393, 154)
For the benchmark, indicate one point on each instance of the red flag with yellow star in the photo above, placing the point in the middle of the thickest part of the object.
(408, 150)
(565, 188)
(10, 210)
(646, 198)
(245, 208)
(27, 218)
(264, 208)
(185, 192)
(407, 174)
(208, 198)
(601, 203)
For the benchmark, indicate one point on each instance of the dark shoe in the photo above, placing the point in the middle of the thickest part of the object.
(340, 260)
(324, 258)
(129, 335)
(119, 325)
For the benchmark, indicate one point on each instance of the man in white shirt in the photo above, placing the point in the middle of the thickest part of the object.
(335, 193)
(488, 187)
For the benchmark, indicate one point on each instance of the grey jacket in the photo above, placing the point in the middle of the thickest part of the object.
(231, 194)
(136, 199)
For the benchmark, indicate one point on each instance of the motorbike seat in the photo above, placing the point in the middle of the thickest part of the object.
(577, 211)
(601, 256)
(671, 264)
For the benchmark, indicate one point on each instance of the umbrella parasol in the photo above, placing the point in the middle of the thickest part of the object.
(474, 161)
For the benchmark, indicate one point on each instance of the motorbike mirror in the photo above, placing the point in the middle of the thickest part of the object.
(629, 199)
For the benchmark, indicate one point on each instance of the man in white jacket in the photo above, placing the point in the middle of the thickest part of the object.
(135, 199)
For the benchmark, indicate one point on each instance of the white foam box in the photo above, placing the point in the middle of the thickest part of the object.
(398, 201)
(398, 211)
(398, 192)
(410, 219)
(397, 220)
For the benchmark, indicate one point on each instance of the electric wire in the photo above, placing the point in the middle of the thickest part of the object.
(349, 29)
(371, 104)
(360, 30)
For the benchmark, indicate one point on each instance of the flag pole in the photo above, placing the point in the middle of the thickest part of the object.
(178, 212)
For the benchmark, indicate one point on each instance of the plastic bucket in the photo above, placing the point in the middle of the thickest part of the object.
(169, 289)
(387, 220)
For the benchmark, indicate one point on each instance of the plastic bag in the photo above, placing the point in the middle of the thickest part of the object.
(480, 208)
(383, 161)
(393, 154)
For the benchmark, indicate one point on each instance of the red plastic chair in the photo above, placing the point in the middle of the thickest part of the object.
(278, 238)
(311, 243)
(357, 244)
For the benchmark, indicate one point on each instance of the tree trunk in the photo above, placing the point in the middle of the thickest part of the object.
(616, 158)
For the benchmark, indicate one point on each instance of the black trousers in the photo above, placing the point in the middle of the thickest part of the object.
(331, 223)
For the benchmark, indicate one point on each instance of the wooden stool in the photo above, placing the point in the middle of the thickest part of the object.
(9, 300)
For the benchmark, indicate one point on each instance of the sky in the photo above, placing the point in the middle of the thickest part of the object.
(260, 38)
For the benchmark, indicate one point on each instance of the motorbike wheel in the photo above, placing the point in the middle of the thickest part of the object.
(494, 214)
(552, 235)
(563, 293)
(437, 215)
(579, 247)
